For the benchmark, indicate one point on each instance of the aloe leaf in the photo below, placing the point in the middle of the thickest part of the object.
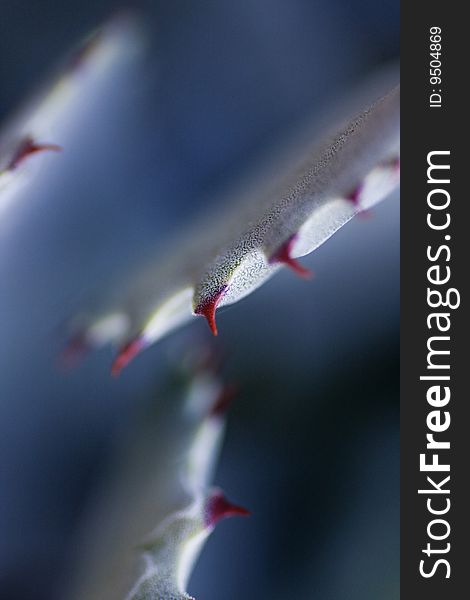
(46, 122)
(158, 507)
(223, 258)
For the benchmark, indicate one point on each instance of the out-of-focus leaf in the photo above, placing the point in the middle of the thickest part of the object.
(159, 507)
(45, 123)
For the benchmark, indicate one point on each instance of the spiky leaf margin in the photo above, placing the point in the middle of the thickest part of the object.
(223, 259)
(44, 123)
(158, 508)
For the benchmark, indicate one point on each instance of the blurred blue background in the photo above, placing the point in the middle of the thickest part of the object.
(312, 446)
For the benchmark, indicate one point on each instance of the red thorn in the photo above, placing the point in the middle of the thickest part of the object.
(225, 398)
(28, 147)
(218, 507)
(74, 351)
(355, 195)
(127, 353)
(395, 163)
(283, 255)
(207, 309)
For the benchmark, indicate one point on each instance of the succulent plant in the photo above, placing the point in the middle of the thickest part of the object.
(224, 258)
(43, 124)
(160, 508)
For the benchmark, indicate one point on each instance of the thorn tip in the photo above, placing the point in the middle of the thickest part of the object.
(354, 195)
(395, 164)
(218, 508)
(208, 308)
(224, 400)
(27, 147)
(126, 354)
(284, 255)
